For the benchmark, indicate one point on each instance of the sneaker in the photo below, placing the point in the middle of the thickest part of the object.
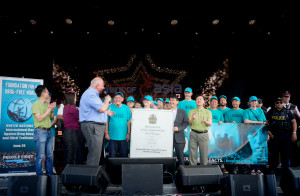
(259, 172)
(235, 170)
(252, 172)
(54, 170)
(279, 165)
(224, 170)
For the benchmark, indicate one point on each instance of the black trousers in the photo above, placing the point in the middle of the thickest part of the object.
(179, 147)
(70, 137)
(280, 143)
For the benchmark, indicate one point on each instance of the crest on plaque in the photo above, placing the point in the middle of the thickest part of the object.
(152, 119)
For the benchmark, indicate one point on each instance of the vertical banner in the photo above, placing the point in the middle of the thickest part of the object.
(17, 147)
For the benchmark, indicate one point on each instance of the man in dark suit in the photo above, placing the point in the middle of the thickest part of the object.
(180, 123)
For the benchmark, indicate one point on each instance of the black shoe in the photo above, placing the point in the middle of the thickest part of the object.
(235, 170)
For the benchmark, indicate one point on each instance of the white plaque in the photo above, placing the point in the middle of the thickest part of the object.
(151, 133)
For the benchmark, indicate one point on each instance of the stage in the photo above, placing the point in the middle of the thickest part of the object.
(117, 189)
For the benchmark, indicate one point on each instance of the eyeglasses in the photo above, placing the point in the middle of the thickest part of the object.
(278, 102)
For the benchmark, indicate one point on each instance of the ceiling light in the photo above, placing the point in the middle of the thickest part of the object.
(174, 22)
(215, 21)
(33, 22)
(110, 22)
(252, 22)
(69, 21)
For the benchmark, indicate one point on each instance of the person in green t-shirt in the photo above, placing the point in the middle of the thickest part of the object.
(42, 111)
(200, 119)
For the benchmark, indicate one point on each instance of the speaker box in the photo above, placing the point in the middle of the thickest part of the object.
(27, 185)
(145, 179)
(243, 184)
(53, 186)
(290, 180)
(190, 178)
(91, 179)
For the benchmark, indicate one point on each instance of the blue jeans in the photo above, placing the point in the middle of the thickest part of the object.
(118, 148)
(44, 143)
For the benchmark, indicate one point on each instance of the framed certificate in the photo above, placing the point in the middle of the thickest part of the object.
(151, 133)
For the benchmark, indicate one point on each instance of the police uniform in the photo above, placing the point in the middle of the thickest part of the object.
(281, 127)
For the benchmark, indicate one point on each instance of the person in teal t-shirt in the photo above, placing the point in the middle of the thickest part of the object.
(217, 116)
(254, 115)
(223, 104)
(187, 104)
(118, 127)
(235, 115)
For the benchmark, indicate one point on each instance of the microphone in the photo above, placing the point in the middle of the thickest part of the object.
(104, 92)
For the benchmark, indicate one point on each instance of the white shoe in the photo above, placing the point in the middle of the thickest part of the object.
(279, 165)
(54, 170)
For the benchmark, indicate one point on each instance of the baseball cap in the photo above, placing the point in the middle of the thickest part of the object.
(167, 100)
(235, 98)
(130, 99)
(252, 98)
(160, 99)
(148, 97)
(188, 89)
(119, 93)
(286, 94)
(155, 103)
(70, 90)
(278, 99)
(214, 97)
(223, 96)
(259, 100)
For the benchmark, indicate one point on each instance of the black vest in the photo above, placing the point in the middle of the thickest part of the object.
(280, 121)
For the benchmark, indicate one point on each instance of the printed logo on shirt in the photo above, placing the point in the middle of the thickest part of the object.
(119, 116)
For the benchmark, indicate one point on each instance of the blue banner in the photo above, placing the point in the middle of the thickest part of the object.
(17, 147)
(236, 143)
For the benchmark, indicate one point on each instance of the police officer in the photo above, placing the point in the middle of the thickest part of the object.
(282, 132)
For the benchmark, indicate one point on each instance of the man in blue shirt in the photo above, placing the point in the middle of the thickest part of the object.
(118, 128)
(187, 104)
(93, 116)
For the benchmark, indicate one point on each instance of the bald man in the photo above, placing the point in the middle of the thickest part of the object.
(93, 117)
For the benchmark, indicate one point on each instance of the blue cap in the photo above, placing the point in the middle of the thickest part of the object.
(160, 99)
(252, 98)
(223, 96)
(213, 98)
(167, 100)
(148, 97)
(188, 89)
(130, 99)
(155, 103)
(235, 98)
(119, 93)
